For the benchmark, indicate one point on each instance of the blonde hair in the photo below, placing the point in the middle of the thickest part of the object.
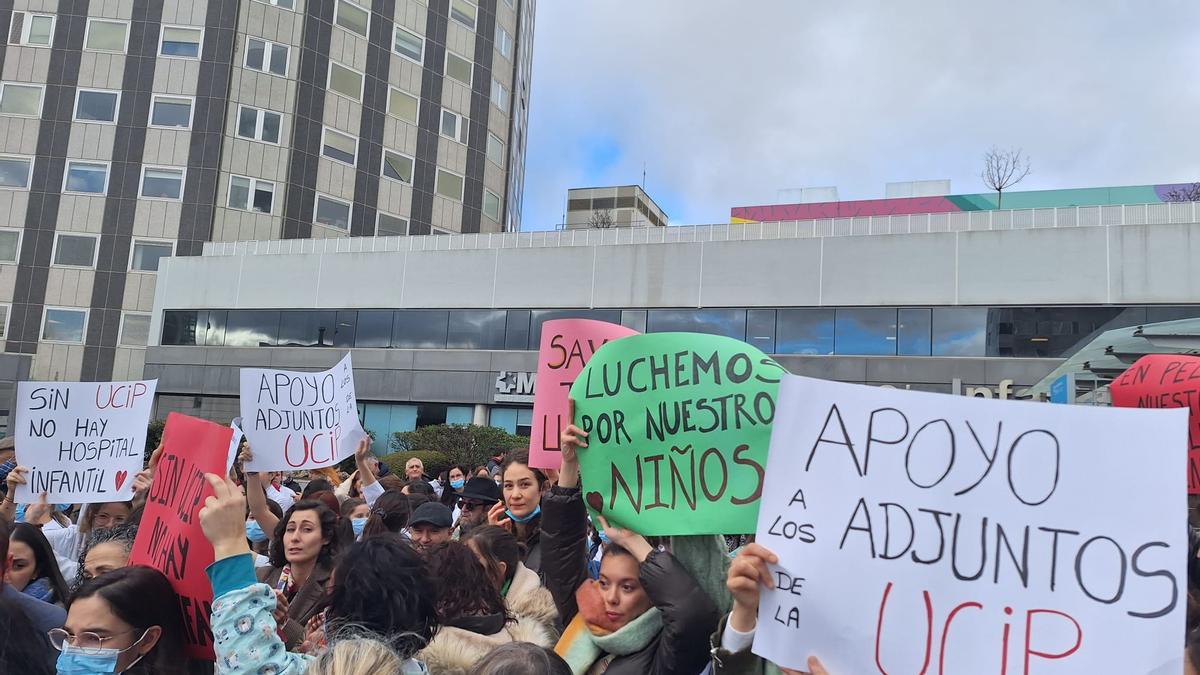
(357, 656)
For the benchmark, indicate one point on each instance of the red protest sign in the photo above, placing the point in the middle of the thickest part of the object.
(169, 538)
(566, 347)
(1166, 381)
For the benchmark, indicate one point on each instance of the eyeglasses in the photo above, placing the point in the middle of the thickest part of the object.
(86, 642)
(471, 506)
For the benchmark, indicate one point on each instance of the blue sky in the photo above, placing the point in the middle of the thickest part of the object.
(725, 104)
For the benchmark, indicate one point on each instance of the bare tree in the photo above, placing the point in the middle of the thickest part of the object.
(1187, 193)
(601, 219)
(1002, 169)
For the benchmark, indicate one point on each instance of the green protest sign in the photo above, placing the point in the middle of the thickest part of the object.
(678, 426)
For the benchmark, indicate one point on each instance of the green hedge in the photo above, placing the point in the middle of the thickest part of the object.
(435, 462)
(467, 444)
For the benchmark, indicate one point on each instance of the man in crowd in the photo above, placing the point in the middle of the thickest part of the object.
(477, 497)
(430, 525)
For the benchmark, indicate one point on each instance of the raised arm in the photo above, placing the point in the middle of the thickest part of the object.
(564, 527)
(256, 495)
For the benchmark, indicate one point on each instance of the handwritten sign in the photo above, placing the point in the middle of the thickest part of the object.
(926, 533)
(82, 441)
(1166, 381)
(170, 538)
(297, 420)
(678, 428)
(566, 347)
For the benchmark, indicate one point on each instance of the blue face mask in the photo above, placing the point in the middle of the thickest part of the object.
(359, 524)
(73, 661)
(524, 519)
(457, 484)
(254, 532)
(603, 537)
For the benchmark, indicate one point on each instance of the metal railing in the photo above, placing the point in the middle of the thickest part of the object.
(923, 223)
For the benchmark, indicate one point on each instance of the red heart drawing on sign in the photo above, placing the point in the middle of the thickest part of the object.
(120, 478)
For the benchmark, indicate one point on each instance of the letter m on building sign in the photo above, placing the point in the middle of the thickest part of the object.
(526, 383)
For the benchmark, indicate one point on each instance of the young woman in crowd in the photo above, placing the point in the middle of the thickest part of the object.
(302, 554)
(356, 512)
(106, 550)
(389, 515)
(645, 615)
(453, 480)
(472, 614)
(522, 590)
(34, 571)
(522, 658)
(124, 621)
(260, 537)
(521, 510)
(382, 587)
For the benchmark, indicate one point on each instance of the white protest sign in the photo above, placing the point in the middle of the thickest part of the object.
(83, 442)
(235, 443)
(296, 420)
(927, 533)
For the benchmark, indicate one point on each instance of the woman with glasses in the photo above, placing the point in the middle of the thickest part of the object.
(125, 621)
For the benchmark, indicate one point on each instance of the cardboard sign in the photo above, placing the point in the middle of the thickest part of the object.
(566, 347)
(1166, 381)
(82, 441)
(679, 425)
(170, 538)
(297, 420)
(927, 533)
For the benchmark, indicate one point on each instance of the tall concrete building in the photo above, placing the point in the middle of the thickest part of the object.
(135, 130)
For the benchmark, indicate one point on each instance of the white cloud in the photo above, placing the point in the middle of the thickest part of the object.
(728, 102)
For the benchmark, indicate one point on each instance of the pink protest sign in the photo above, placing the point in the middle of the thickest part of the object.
(566, 347)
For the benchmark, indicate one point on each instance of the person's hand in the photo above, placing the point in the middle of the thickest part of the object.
(223, 518)
(627, 539)
(245, 455)
(15, 477)
(497, 517)
(314, 635)
(143, 479)
(38, 512)
(572, 438)
(281, 608)
(815, 667)
(747, 573)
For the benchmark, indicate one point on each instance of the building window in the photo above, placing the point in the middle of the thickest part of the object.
(75, 250)
(332, 212)
(353, 18)
(21, 99)
(104, 35)
(499, 95)
(15, 172)
(171, 112)
(62, 324)
(5, 311)
(345, 81)
(913, 332)
(409, 45)
(259, 125)
(181, 42)
(504, 42)
(727, 322)
(251, 194)
(338, 146)
(960, 331)
(147, 255)
(285, 4)
(96, 106)
(495, 149)
(89, 178)
(804, 331)
(869, 331)
(463, 12)
(491, 205)
(31, 30)
(10, 245)
(266, 57)
(390, 226)
(135, 330)
(454, 126)
(162, 183)
(458, 68)
(397, 167)
(449, 185)
(402, 105)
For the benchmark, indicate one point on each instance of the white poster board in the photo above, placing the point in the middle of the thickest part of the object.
(83, 442)
(296, 420)
(879, 503)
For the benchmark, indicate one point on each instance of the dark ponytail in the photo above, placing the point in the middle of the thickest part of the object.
(389, 515)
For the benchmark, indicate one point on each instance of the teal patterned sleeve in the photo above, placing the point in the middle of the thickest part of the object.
(243, 625)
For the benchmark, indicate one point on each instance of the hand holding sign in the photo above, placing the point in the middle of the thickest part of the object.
(223, 517)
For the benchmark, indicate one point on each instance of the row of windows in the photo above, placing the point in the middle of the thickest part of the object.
(68, 325)
(90, 177)
(75, 249)
(879, 331)
(32, 29)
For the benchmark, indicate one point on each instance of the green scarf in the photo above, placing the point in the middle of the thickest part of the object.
(580, 647)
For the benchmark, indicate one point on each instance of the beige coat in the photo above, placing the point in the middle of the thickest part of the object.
(528, 599)
(455, 651)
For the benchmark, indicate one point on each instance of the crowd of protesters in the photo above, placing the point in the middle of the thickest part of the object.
(497, 570)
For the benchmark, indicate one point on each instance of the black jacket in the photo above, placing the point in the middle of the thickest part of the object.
(689, 615)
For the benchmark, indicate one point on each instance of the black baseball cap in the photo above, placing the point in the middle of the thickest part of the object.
(432, 513)
(481, 490)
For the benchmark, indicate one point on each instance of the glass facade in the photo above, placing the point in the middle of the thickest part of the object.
(386, 419)
(1053, 332)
